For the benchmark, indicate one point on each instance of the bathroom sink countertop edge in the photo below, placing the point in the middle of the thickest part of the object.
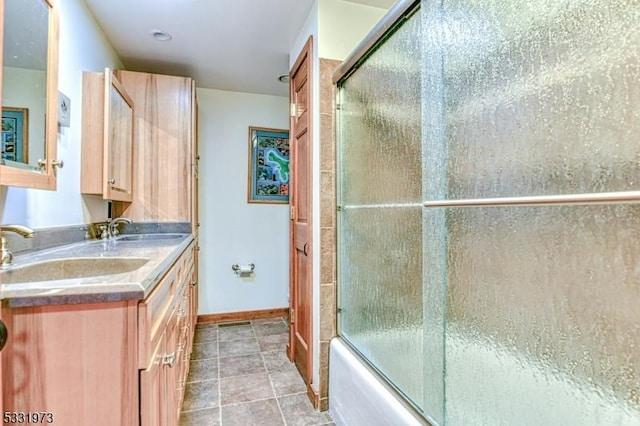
(133, 285)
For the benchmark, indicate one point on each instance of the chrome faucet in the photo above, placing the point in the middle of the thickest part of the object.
(7, 256)
(113, 225)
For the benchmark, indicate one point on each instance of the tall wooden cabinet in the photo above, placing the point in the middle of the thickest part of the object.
(165, 158)
(165, 189)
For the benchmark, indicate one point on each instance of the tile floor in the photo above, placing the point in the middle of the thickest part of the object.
(239, 375)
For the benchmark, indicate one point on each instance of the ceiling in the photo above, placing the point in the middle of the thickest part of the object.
(236, 45)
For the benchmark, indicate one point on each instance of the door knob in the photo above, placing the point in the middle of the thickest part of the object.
(4, 334)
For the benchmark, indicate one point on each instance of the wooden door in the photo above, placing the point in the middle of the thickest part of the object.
(301, 289)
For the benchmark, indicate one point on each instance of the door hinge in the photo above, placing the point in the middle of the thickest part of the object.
(292, 212)
(292, 313)
(292, 110)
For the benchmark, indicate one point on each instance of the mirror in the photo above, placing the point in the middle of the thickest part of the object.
(29, 93)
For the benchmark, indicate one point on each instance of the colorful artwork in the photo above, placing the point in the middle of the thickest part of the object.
(14, 134)
(268, 165)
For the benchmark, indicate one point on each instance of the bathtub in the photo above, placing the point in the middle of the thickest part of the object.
(358, 397)
(486, 386)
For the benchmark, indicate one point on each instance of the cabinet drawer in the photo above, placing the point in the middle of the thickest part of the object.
(153, 314)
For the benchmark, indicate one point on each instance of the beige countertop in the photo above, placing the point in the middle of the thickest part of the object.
(137, 284)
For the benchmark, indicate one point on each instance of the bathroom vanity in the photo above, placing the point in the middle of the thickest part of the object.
(106, 349)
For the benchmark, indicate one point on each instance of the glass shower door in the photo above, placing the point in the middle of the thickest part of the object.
(380, 211)
(532, 199)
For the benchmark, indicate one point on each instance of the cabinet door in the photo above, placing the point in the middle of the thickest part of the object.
(152, 390)
(118, 141)
(107, 137)
(170, 365)
(162, 154)
(77, 362)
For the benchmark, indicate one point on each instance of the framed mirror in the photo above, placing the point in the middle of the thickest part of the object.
(29, 93)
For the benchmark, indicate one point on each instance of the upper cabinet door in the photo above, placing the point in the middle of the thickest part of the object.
(107, 137)
(29, 47)
(164, 140)
(118, 141)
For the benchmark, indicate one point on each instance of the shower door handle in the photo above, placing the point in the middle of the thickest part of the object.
(304, 249)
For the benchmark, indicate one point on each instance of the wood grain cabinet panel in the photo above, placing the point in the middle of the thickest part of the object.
(77, 362)
(166, 367)
(164, 147)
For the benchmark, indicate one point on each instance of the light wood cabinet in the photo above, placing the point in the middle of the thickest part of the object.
(164, 183)
(103, 364)
(165, 344)
(107, 137)
(77, 362)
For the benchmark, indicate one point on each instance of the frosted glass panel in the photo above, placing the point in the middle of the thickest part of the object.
(540, 97)
(380, 218)
(379, 131)
(381, 291)
(541, 330)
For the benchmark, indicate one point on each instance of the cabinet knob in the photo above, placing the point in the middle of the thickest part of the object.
(111, 181)
(57, 164)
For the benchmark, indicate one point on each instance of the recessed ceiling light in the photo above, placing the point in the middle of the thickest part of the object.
(284, 78)
(161, 35)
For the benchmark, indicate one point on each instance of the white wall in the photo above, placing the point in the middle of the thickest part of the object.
(233, 231)
(336, 27)
(82, 47)
(342, 26)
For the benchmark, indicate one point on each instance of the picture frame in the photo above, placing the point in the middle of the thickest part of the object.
(15, 134)
(268, 171)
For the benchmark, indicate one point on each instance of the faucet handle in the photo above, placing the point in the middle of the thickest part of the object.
(104, 233)
(113, 225)
(6, 257)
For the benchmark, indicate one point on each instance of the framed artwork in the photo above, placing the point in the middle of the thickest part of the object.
(15, 134)
(268, 165)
